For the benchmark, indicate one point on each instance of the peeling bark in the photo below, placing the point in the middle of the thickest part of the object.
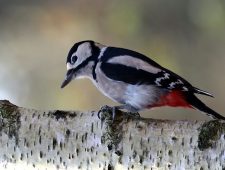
(33, 139)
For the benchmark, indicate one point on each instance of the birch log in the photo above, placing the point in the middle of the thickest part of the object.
(33, 139)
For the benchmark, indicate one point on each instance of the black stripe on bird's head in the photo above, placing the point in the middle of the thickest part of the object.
(78, 58)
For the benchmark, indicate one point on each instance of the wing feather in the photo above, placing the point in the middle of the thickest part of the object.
(134, 68)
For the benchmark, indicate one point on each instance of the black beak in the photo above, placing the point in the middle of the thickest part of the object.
(69, 77)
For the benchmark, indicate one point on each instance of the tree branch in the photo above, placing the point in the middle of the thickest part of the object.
(80, 140)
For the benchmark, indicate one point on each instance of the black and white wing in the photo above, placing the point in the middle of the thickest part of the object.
(134, 68)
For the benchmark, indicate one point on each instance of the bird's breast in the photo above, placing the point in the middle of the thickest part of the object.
(138, 96)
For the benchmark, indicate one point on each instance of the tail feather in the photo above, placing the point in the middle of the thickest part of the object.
(199, 91)
(198, 104)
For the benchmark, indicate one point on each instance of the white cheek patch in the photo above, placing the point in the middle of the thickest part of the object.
(83, 52)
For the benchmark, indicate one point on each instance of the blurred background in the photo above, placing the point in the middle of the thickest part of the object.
(188, 37)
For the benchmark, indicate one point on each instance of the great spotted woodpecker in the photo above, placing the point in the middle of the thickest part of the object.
(132, 79)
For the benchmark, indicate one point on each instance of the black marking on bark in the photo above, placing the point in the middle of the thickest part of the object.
(92, 149)
(64, 164)
(132, 146)
(92, 127)
(39, 140)
(119, 153)
(174, 138)
(77, 151)
(30, 126)
(84, 137)
(141, 158)
(41, 154)
(132, 166)
(39, 130)
(24, 141)
(182, 143)
(54, 143)
(134, 154)
(61, 145)
(59, 114)
(210, 132)
(21, 156)
(110, 167)
(67, 134)
(109, 147)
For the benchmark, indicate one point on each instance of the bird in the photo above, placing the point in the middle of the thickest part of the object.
(132, 79)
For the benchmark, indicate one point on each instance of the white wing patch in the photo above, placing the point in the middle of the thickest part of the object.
(159, 79)
(165, 78)
(172, 84)
(134, 62)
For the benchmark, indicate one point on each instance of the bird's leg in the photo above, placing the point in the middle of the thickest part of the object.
(108, 109)
(104, 108)
(132, 111)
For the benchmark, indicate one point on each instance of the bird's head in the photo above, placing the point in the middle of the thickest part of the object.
(80, 60)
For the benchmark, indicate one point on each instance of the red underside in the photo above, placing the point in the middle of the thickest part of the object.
(174, 99)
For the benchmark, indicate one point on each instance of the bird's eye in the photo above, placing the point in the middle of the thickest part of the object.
(73, 59)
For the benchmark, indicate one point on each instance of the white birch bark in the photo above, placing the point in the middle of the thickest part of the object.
(33, 139)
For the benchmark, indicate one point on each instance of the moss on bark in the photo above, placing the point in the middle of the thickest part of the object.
(210, 132)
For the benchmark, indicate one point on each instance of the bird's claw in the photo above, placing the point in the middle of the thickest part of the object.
(105, 109)
(113, 110)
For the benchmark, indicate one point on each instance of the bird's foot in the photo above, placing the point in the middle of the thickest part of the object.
(113, 110)
(104, 109)
(108, 109)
